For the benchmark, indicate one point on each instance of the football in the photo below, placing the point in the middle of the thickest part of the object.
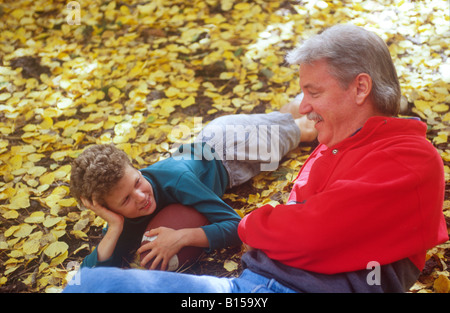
(176, 216)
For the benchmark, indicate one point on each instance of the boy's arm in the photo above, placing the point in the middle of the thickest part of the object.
(222, 232)
(107, 245)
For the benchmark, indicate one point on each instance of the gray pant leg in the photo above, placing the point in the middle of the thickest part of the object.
(251, 143)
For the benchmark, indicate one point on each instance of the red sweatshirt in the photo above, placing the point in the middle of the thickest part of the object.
(376, 196)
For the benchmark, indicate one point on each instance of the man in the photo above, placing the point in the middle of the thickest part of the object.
(369, 197)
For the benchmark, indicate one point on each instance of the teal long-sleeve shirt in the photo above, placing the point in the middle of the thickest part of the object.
(192, 177)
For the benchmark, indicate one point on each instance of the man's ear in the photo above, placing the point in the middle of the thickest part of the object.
(363, 87)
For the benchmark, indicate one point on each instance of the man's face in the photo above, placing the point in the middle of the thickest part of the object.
(132, 196)
(326, 102)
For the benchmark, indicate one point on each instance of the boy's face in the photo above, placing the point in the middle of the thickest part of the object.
(132, 196)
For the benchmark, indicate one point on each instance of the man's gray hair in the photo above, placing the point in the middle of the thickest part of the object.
(351, 50)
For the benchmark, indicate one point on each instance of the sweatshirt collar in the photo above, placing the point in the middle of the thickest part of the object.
(378, 126)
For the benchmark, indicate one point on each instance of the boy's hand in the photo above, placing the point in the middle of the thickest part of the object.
(168, 242)
(113, 219)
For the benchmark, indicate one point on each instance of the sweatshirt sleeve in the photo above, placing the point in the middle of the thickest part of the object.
(383, 208)
(127, 243)
(92, 260)
(222, 230)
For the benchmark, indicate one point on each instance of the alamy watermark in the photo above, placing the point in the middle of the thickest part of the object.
(74, 13)
(374, 276)
(74, 274)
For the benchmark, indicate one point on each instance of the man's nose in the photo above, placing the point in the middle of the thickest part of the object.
(305, 107)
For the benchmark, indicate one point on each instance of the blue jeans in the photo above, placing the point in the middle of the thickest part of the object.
(110, 279)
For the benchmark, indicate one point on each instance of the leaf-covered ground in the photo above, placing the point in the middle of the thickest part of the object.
(146, 75)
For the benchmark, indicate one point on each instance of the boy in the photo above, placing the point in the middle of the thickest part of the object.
(229, 151)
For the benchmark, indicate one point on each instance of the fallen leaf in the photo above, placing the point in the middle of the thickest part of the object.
(442, 284)
(56, 248)
(230, 265)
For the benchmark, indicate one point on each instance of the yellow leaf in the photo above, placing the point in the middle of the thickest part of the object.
(5, 96)
(11, 269)
(114, 93)
(51, 221)
(172, 92)
(7, 193)
(446, 118)
(11, 214)
(11, 230)
(15, 162)
(99, 222)
(79, 234)
(226, 5)
(422, 105)
(137, 70)
(47, 123)
(3, 245)
(147, 9)
(105, 138)
(226, 75)
(187, 102)
(12, 261)
(61, 258)
(31, 246)
(239, 89)
(92, 126)
(20, 201)
(81, 224)
(124, 10)
(36, 171)
(440, 108)
(59, 155)
(47, 179)
(56, 248)
(35, 217)
(253, 198)
(442, 284)
(63, 171)
(166, 110)
(24, 230)
(68, 202)
(78, 137)
(18, 13)
(238, 102)
(84, 246)
(242, 6)
(125, 129)
(441, 138)
(230, 265)
(15, 254)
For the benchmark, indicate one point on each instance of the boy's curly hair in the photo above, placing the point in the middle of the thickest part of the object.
(96, 171)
